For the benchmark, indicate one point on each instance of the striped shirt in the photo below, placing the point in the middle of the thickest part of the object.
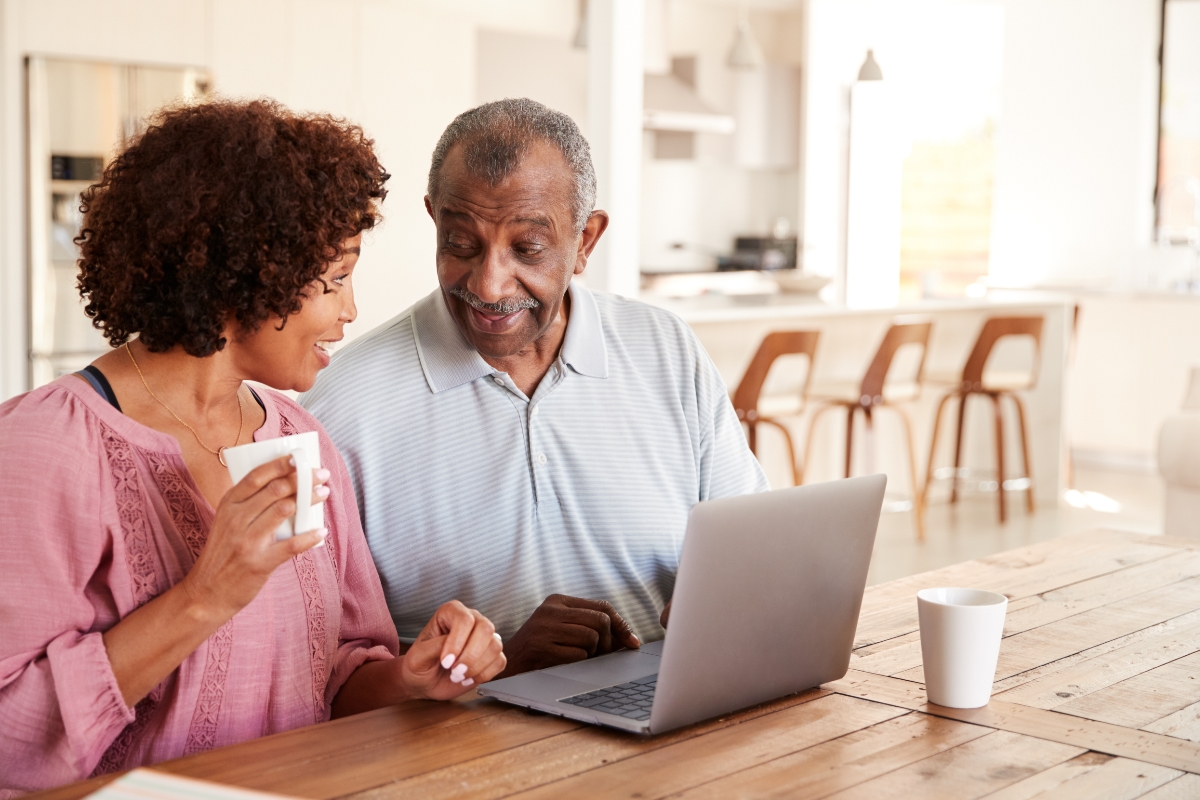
(470, 490)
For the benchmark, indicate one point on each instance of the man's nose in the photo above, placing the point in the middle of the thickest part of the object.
(492, 278)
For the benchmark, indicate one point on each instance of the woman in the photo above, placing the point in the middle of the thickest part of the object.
(146, 611)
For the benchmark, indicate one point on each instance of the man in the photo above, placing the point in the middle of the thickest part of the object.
(517, 441)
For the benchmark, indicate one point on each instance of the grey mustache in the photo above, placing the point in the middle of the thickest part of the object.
(509, 305)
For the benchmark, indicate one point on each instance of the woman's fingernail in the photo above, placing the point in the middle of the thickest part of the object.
(498, 639)
(322, 474)
(321, 492)
(459, 673)
(322, 532)
(455, 678)
(636, 640)
(448, 661)
(468, 682)
(292, 460)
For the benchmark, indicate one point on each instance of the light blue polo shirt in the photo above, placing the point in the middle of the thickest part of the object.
(470, 490)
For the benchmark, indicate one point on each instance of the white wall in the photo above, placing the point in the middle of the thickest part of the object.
(401, 68)
(1076, 157)
(1076, 139)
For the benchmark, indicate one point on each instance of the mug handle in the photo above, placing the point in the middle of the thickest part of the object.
(304, 475)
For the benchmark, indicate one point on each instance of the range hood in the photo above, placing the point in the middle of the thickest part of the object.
(671, 104)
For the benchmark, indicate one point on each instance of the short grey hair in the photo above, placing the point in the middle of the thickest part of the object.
(495, 137)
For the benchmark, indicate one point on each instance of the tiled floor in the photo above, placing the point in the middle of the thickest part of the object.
(971, 530)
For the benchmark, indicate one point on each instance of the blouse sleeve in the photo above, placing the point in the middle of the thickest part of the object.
(367, 632)
(59, 699)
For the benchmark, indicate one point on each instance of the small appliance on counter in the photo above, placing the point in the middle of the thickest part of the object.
(760, 253)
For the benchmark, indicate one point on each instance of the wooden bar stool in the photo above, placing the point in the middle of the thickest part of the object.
(874, 392)
(749, 391)
(995, 387)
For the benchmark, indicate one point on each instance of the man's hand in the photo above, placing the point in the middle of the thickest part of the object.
(566, 629)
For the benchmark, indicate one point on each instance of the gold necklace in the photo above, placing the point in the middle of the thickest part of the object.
(220, 451)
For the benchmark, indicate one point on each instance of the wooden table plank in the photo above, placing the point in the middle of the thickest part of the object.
(1184, 724)
(844, 762)
(975, 769)
(889, 610)
(1044, 783)
(341, 771)
(1051, 667)
(554, 758)
(1103, 737)
(672, 769)
(1116, 779)
(1186, 787)
(894, 656)
(1144, 698)
(1096, 674)
(1031, 654)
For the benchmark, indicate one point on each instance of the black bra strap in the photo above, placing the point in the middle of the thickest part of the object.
(100, 383)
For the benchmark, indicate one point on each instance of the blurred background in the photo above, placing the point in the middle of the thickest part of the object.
(842, 167)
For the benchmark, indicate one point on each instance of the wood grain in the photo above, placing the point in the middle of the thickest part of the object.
(975, 769)
(1145, 698)
(1119, 779)
(1186, 787)
(1097, 695)
(846, 761)
(901, 653)
(1183, 724)
(890, 609)
(555, 758)
(690, 763)
(1044, 784)
(1051, 726)
(1094, 674)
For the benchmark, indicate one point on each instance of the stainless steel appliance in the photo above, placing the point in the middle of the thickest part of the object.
(79, 113)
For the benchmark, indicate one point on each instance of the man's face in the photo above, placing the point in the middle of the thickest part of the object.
(506, 253)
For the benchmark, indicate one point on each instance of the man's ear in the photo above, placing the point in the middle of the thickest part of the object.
(593, 229)
(429, 208)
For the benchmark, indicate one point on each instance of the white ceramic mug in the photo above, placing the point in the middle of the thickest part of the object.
(961, 631)
(305, 448)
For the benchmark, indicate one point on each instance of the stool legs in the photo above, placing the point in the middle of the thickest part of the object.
(918, 492)
(999, 453)
(1024, 451)
(849, 436)
(937, 424)
(958, 437)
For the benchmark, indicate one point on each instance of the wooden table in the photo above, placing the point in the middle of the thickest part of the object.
(1097, 695)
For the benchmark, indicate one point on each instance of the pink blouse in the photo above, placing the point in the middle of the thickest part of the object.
(98, 515)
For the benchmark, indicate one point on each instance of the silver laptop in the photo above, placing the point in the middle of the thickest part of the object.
(766, 604)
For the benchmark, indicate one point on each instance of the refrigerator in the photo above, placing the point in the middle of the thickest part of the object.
(79, 114)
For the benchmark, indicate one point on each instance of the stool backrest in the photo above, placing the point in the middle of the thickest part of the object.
(995, 329)
(776, 344)
(900, 334)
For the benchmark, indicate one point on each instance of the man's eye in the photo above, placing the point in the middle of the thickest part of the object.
(529, 249)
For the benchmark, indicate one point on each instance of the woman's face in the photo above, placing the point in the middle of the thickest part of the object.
(291, 358)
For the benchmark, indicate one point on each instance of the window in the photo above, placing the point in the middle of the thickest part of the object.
(1178, 191)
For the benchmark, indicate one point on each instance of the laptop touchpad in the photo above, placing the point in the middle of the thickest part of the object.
(609, 670)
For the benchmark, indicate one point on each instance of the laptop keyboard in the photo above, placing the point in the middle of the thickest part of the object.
(631, 700)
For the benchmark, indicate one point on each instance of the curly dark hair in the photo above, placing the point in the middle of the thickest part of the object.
(221, 210)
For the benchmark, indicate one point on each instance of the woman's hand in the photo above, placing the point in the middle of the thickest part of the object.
(458, 648)
(241, 551)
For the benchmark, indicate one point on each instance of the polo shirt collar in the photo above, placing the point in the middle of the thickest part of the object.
(449, 360)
